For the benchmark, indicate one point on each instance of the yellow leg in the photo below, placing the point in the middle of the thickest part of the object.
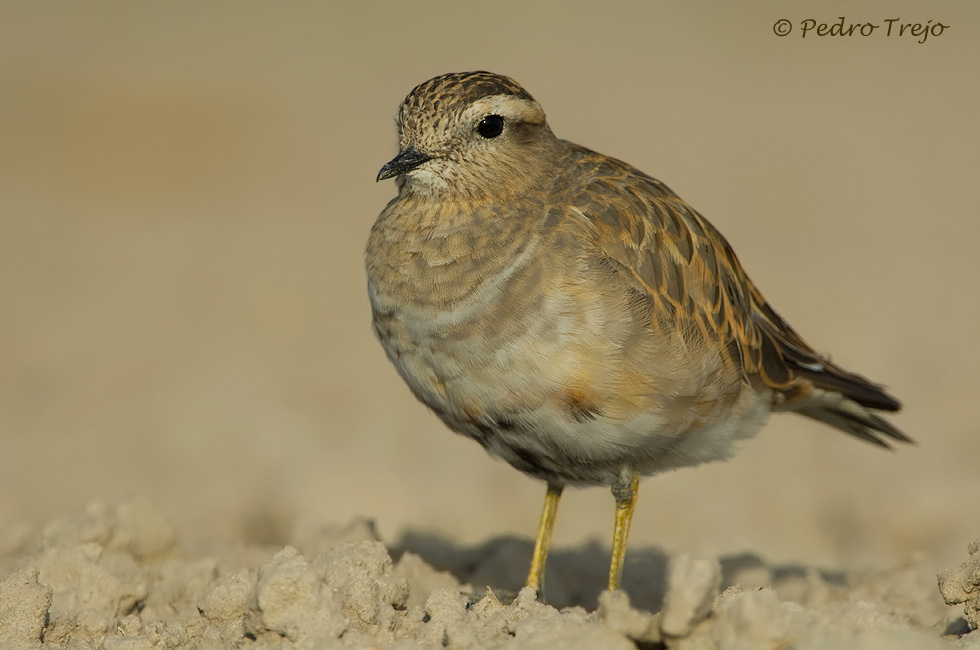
(624, 490)
(535, 578)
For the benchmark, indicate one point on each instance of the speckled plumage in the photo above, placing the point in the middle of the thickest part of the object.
(571, 313)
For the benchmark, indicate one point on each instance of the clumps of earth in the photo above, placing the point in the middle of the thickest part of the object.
(115, 576)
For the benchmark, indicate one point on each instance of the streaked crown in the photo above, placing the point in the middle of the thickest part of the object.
(453, 92)
(436, 105)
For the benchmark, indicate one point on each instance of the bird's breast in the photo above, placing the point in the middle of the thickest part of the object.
(541, 354)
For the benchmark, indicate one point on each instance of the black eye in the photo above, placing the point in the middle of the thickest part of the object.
(491, 126)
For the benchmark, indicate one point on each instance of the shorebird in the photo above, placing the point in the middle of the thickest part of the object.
(572, 314)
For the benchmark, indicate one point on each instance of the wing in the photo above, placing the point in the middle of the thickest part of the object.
(665, 249)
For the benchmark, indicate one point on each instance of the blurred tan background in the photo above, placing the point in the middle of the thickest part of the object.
(186, 189)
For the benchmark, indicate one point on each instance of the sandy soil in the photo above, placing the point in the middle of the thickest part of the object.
(189, 385)
(114, 575)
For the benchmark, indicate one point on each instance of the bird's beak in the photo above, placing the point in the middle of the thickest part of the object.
(404, 162)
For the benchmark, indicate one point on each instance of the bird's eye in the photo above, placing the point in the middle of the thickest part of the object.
(491, 126)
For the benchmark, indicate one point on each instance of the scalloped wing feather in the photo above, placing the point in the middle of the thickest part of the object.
(664, 248)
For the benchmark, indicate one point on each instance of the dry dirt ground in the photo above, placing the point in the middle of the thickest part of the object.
(114, 575)
(196, 425)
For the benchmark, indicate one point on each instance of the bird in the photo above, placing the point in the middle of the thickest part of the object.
(572, 314)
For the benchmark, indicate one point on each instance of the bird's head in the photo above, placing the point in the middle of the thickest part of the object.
(469, 134)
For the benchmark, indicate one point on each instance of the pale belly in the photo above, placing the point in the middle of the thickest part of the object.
(556, 391)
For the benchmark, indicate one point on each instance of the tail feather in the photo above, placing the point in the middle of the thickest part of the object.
(829, 377)
(851, 418)
(845, 401)
(817, 388)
